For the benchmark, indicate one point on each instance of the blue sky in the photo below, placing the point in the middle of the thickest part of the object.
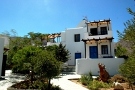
(53, 16)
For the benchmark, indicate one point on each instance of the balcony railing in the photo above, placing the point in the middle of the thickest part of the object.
(50, 43)
(87, 35)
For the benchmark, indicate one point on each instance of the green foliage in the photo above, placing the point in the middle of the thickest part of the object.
(120, 51)
(86, 79)
(16, 43)
(61, 53)
(96, 85)
(129, 33)
(52, 48)
(127, 69)
(37, 84)
(47, 65)
(43, 86)
(25, 59)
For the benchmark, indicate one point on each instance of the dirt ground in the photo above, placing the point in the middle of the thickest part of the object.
(125, 85)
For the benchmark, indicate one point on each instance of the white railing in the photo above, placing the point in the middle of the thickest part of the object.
(88, 36)
(50, 43)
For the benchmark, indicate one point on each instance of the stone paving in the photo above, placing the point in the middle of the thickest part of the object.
(9, 80)
(63, 82)
(66, 84)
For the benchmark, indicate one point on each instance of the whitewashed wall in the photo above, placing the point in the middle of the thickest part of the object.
(1, 53)
(84, 66)
(71, 45)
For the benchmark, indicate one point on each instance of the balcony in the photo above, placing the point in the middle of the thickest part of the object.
(87, 35)
(51, 43)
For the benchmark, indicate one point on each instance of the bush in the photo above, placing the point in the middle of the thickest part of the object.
(95, 85)
(85, 79)
(118, 78)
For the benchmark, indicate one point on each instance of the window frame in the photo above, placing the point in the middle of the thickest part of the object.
(77, 37)
(103, 31)
(104, 49)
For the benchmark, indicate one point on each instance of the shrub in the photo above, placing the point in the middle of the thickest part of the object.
(95, 85)
(85, 79)
(118, 78)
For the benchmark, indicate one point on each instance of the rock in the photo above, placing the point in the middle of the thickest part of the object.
(117, 86)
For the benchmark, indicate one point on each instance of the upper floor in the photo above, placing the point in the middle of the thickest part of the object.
(84, 30)
(88, 30)
(98, 29)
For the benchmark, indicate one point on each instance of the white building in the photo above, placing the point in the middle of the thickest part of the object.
(92, 39)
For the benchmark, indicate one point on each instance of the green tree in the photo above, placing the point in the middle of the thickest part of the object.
(47, 66)
(61, 53)
(15, 43)
(51, 48)
(120, 51)
(25, 59)
(127, 69)
(37, 38)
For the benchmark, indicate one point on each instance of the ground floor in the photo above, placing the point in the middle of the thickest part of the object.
(93, 48)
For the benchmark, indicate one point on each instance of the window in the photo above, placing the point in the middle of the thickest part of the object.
(104, 49)
(103, 30)
(93, 31)
(77, 37)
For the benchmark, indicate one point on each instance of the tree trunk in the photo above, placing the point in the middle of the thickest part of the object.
(49, 84)
(130, 85)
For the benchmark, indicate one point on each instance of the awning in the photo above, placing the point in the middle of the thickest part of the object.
(99, 39)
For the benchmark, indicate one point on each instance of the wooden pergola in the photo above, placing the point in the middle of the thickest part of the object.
(54, 35)
(86, 41)
(97, 23)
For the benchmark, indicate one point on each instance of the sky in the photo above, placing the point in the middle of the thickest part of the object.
(54, 16)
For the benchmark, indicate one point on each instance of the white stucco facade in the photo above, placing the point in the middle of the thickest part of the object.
(67, 38)
(83, 47)
(1, 53)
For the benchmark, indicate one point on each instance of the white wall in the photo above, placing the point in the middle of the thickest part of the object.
(50, 43)
(73, 46)
(84, 66)
(1, 53)
(6, 40)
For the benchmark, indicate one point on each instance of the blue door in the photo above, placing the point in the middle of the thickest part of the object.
(93, 51)
(77, 55)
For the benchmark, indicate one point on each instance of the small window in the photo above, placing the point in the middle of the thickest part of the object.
(104, 49)
(103, 30)
(77, 37)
